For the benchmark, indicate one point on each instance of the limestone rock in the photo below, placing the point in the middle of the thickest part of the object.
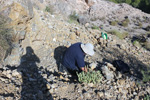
(73, 36)
(100, 94)
(108, 74)
(109, 65)
(93, 65)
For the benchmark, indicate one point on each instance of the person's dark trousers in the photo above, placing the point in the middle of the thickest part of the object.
(72, 72)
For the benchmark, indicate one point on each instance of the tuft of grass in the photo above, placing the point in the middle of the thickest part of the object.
(146, 45)
(95, 27)
(49, 9)
(136, 43)
(73, 18)
(140, 25)
(90, 77)
(148, 33)
(124, 35)
(113, 23)
(102, 18)
(125, 22)
(146, 75)
(118, 34)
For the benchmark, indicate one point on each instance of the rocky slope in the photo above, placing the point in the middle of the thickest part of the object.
(30, 71)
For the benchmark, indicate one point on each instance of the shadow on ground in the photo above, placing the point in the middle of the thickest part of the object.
(33, 84)
(116, 54)
(58, 54)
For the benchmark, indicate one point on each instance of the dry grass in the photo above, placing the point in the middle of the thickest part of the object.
(147, 45)
(5, 37)
(118, 34)
(125, 22)
(113, 23)
(73, 18)
(95, 27)
(50, 9)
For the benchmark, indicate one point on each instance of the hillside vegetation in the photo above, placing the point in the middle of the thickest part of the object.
(144, 5)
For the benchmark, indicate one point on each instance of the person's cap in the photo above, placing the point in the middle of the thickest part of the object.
(88, 48)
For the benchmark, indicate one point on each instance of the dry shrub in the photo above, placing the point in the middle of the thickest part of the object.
(118, 34)
(147, 45)
(113, 23)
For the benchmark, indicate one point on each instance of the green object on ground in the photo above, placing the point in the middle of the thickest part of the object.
(104, 35)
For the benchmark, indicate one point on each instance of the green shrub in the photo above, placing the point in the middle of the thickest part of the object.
(146, 75)
(118, 34)
(147, 97)
(90, 77)
(143, 5)
(114, 1)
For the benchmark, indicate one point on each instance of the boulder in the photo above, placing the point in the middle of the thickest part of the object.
(107, 73)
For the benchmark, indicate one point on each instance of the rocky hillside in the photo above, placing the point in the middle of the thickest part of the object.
(29, 69)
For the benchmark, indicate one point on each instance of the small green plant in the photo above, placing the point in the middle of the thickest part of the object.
(146, 75)
(118, 34)
(73, 18)
(136, 43)
(147, 97)
(127, 20)
(125, 34)
(90, 77)
(113, 23)
(95, 27)
(140, 25)
(124, 23)
(49, 9)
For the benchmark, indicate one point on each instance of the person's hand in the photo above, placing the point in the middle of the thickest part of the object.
(84, 69)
